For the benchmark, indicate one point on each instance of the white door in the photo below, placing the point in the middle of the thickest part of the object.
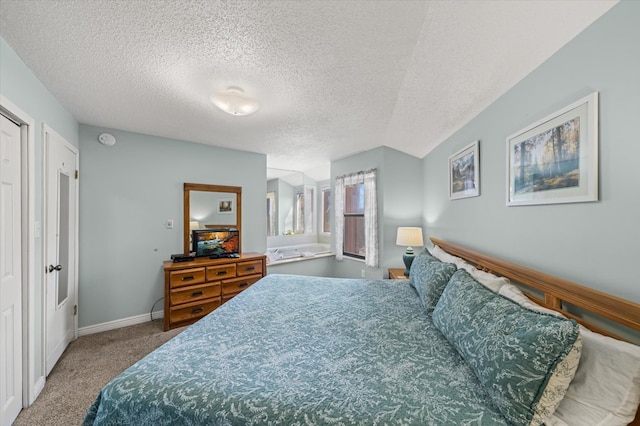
(60, 245)
(10, 273)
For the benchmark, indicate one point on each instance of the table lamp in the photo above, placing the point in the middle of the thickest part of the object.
(409, 236)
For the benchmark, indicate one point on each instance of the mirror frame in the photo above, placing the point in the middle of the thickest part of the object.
(188, 187)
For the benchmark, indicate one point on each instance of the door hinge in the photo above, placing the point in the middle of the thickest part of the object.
(75, 310)
(77, 174)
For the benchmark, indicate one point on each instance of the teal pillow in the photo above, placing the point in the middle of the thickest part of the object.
(430, 282)
(521, 357)
(419, 264)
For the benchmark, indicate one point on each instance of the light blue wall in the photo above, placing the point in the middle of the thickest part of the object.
(594, 244)
(127, 192)
(21, 87)
(24, 89)
(399, 183)
(402, 202)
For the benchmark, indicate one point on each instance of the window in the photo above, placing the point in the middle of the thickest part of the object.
(354, 221)
(356, 217)
(326, 210)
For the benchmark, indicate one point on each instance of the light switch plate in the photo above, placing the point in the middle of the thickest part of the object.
(169, 223)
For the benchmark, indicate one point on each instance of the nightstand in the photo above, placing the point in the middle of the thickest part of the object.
(397, 274)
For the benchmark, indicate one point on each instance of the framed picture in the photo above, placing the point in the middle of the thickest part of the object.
(225, 206)
(555, 160)
(464, 172)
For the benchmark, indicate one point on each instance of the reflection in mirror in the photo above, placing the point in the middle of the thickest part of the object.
(211, 206)
(305, 197)
(326, 209)
(285, 202)
(297, 204)
(272, 228)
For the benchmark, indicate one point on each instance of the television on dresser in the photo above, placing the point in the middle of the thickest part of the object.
(216, 242)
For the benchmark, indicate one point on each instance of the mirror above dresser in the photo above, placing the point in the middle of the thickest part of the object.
(211, 206)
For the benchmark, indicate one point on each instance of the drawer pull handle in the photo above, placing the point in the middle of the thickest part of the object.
(243, 284)
(221, 273)
(250, 268)
(189, 278)
(197, 311)
(197, 293)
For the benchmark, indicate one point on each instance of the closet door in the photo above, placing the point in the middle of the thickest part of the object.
(10, 273)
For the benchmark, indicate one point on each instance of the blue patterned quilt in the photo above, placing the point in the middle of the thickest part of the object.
(295, 350)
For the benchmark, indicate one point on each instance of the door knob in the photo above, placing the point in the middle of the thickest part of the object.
(55, 268)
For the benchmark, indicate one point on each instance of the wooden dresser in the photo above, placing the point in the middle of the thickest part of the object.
(193, 289)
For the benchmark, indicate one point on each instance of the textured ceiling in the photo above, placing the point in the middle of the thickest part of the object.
(333, 77)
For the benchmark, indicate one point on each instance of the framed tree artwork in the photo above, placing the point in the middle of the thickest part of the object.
(555, 160)
(464, 172)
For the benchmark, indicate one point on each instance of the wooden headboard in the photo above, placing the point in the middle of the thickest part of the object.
(557, 294)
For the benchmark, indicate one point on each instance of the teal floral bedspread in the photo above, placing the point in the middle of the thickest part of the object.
(295, 350)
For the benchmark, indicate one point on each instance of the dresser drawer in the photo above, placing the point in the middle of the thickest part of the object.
(221, 272)
(190, 311)
(187, 277)
(193, 293)
(238, 284)
(249, 268)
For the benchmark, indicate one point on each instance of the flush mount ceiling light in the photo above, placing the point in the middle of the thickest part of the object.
(233, 101)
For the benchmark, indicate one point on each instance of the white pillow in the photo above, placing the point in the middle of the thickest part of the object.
(491, 281)
(446, 257)
(605, 390)
(606, 387)
(512, 292)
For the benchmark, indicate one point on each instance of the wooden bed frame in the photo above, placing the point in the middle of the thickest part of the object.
(557, 294)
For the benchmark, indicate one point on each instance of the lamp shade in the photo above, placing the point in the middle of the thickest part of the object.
(409, 236)
(233, 101)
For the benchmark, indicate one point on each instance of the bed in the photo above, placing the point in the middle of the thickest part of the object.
(311, 351)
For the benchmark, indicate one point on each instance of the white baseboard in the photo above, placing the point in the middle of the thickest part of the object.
(124, 322)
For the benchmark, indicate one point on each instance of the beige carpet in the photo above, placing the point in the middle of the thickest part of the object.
(86, 366)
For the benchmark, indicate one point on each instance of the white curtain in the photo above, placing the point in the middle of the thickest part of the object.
(370, 219)
(370, 214)
(339, 217)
